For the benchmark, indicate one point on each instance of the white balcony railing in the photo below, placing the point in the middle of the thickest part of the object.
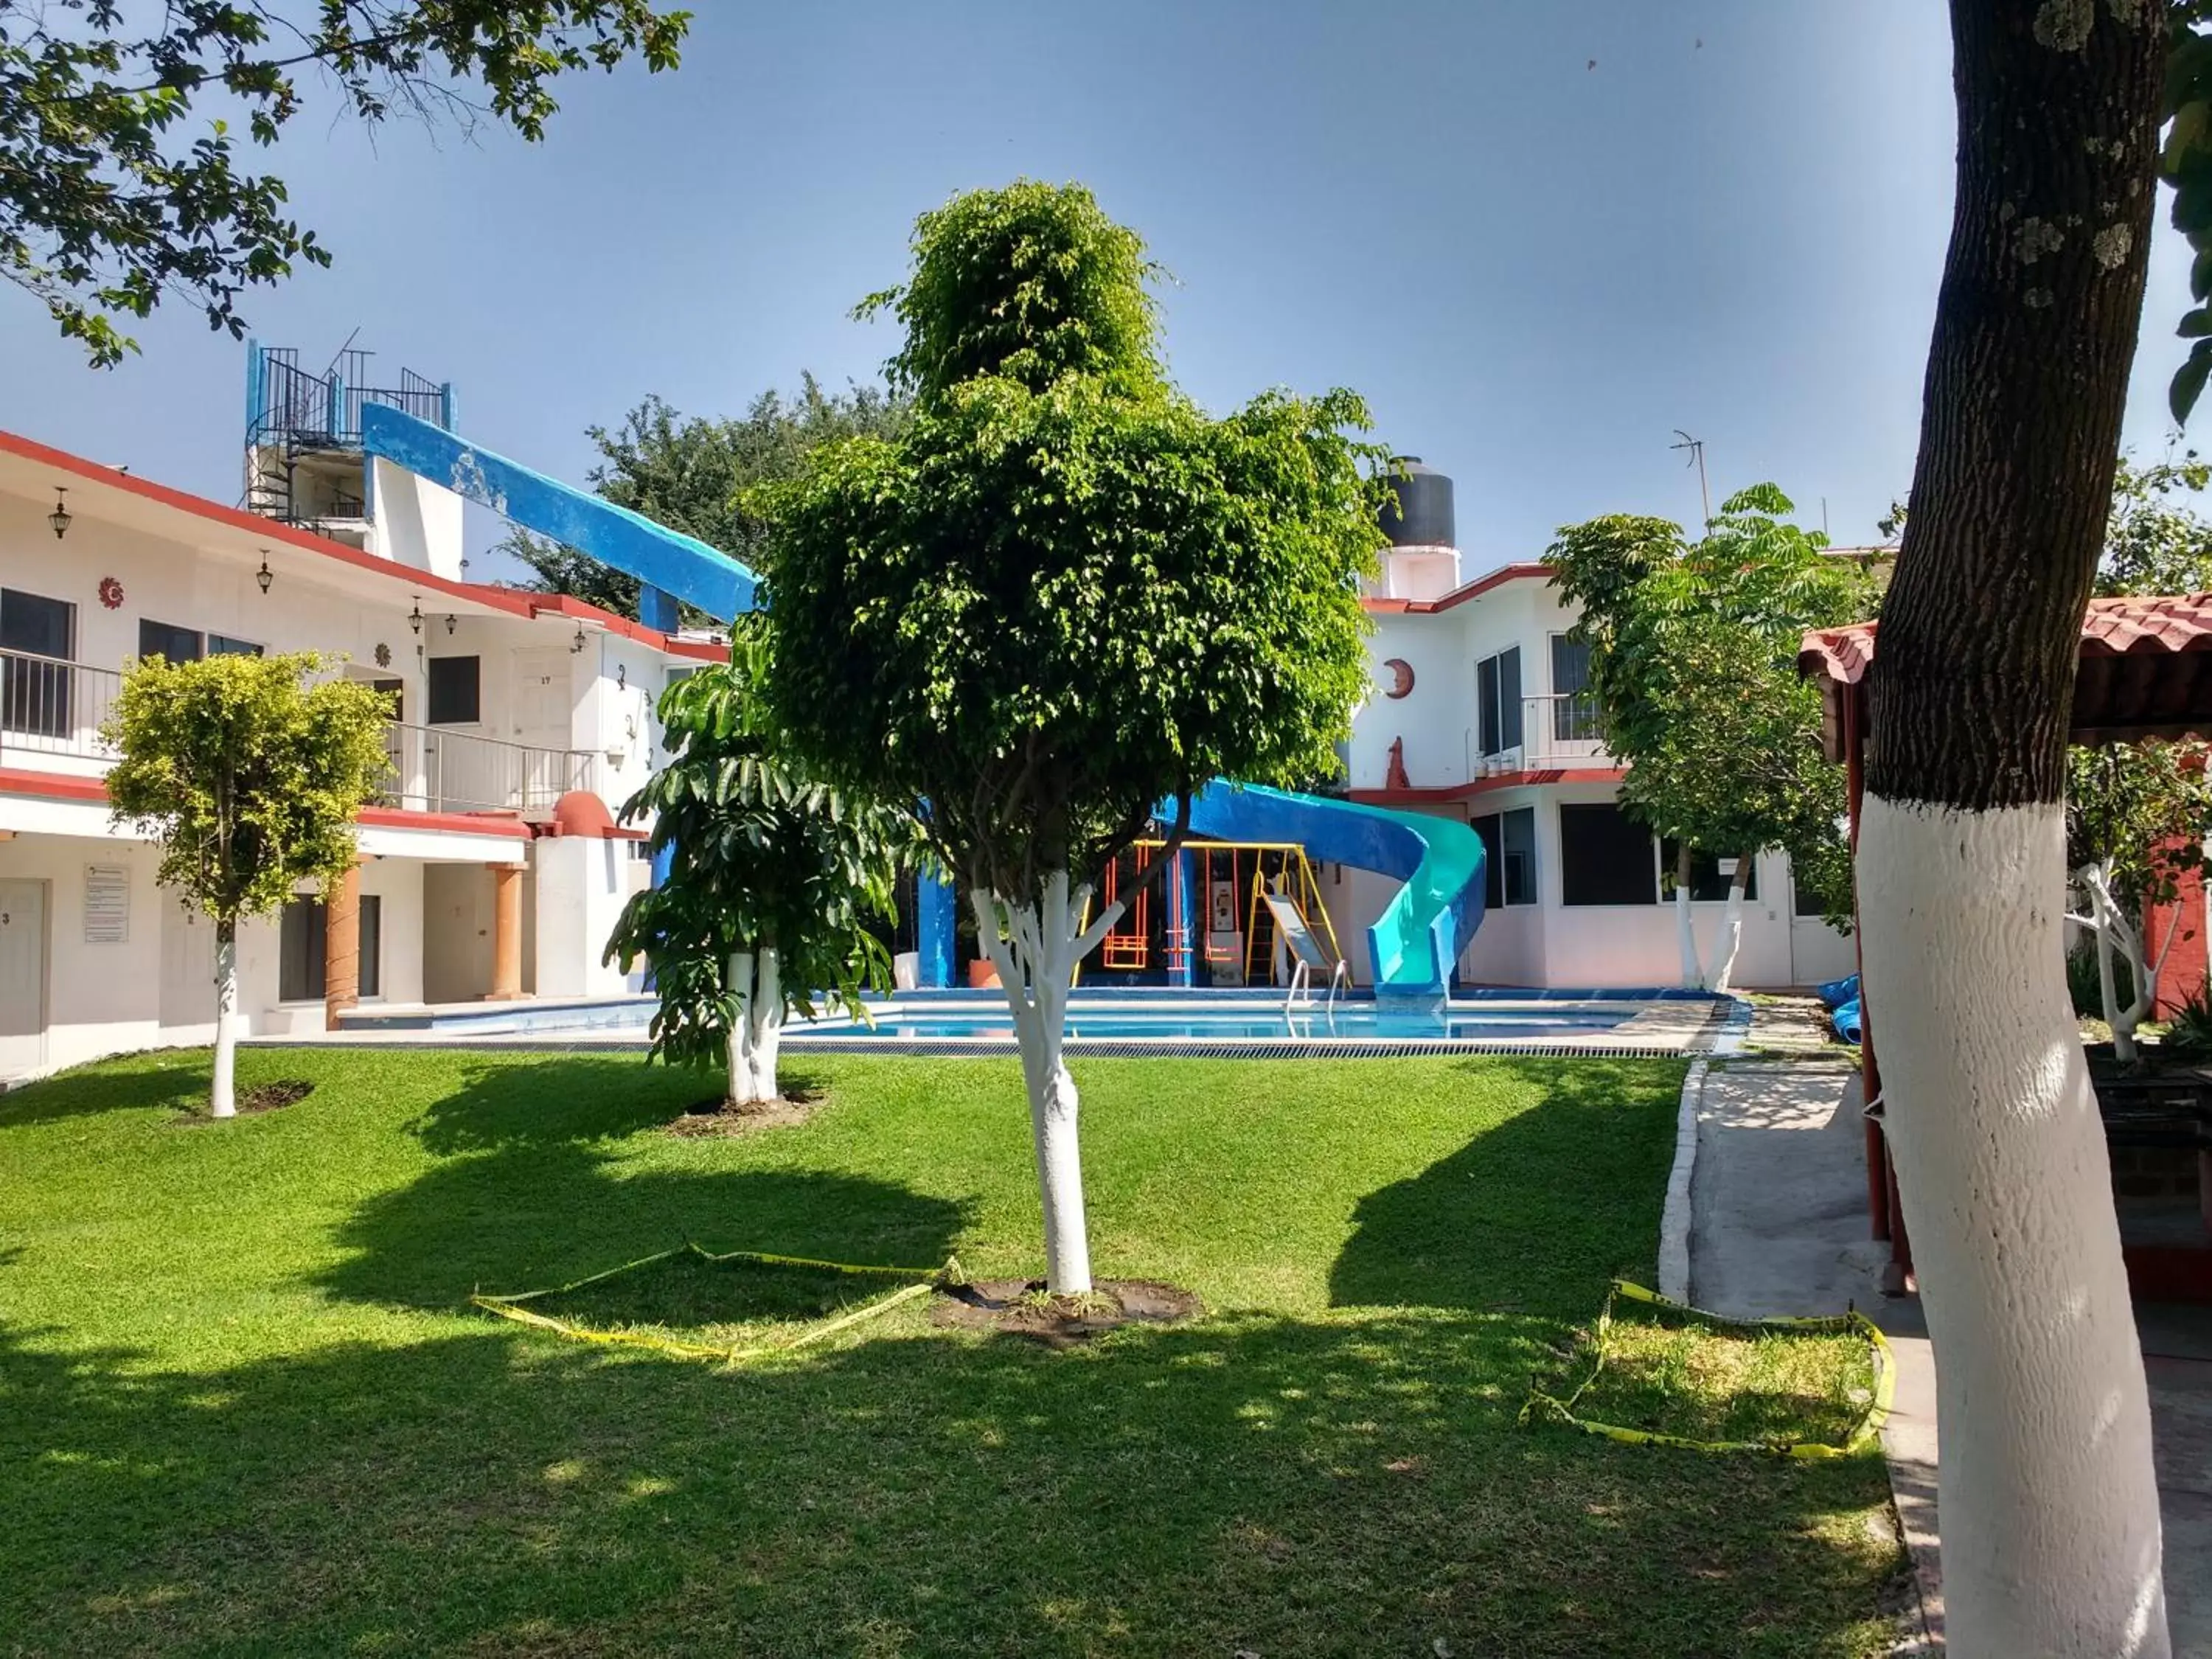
(1557, 731)
(51, 712)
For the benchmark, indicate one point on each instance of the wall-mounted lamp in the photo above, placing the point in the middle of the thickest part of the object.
(415, 619)
(576, 645)
(60, 517)
(452, 623)
(262, 577)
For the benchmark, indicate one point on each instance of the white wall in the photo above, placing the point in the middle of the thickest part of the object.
(583, 882)
(418, 523)
(100, 998)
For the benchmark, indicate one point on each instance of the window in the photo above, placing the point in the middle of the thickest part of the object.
(221, 645)
(1497, 701)
(35, 697)
(1707, 883)
(1605, 857)
(1509, 857)
(160, 639)
(454, 684)
(302, 937)
(1574, 711)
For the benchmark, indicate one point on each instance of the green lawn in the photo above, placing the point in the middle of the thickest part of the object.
(243, 1407)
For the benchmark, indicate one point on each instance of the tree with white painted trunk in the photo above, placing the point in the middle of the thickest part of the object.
(1062, 598)
(775, 883)
(1693, 663)
(2050, 1508)
(249, 773)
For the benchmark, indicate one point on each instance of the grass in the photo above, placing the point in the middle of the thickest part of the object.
(245, 1408)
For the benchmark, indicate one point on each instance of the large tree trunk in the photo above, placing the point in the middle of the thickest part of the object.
(2050, 1527)
(1731, 938)
(1035, 948)
(222, 1096)
(1685, 927)
(758, 1032)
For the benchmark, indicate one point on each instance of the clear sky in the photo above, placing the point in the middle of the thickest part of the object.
(1538, 237)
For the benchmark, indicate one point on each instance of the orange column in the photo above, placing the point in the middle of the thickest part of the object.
(341, 948)
(507, 932)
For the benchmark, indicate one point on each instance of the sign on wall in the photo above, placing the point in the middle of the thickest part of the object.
(106, 904)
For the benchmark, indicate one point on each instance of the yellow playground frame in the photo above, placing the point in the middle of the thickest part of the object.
(1128, 947)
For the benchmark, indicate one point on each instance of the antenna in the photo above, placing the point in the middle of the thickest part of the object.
(1697, 449)
(341, 351)
(1823, 515)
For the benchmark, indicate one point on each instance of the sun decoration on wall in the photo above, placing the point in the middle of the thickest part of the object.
(111, 592)
(383, 655)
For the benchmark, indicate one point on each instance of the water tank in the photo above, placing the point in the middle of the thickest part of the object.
(1422, 516)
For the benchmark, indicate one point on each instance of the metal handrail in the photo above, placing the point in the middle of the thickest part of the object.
(436, 768)
(1562, 726)
(51, 706)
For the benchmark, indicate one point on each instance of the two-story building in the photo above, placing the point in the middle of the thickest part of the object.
(489, 869)
(1479, 712)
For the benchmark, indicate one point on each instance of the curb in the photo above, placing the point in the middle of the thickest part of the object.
(1675, 1217)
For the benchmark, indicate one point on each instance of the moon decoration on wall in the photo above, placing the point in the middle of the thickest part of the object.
(1404, 673)
(111, 592)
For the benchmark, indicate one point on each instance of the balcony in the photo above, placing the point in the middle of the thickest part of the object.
(1564, 730)
(51, 713)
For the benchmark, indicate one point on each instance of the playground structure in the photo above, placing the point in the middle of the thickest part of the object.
(1271, 884)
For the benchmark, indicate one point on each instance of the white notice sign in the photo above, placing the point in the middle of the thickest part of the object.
(106, 904)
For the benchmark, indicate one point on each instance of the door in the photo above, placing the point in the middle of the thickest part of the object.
(541, 711)
(23, 976)
(187, 969)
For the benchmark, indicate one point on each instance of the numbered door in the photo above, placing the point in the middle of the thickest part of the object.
(541, 720)
(23, 976)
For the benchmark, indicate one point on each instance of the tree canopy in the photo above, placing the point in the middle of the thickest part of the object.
(123, 184)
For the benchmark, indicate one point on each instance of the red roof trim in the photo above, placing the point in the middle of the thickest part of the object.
(2172, 623)
(1473, 590)
(61, 786)
(514, 601)
(1460, 792)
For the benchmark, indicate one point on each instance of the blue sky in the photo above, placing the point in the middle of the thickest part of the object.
(1535, 266)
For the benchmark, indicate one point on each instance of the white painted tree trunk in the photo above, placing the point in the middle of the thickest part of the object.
(1731, 938)
(2118, 937)
(757, 1033)
(1036, 949)
(2051, 1521)
(222, 1097)
(1685, 928)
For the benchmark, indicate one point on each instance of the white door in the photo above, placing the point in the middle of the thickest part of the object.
(542, 702)
(187, 971)
(23, 976)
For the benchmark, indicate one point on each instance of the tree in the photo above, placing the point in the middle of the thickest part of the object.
(2154, 542)
(2050, 1519)
(692, 473)
(1062, 598)
(249, 780)
(1692, 664)
(111, 202)
(2137, 819)
(773, 879)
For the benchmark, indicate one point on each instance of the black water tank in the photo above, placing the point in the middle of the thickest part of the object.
(1423, 514)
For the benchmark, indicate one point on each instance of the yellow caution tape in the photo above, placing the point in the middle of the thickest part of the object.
(509, 1306)
(1554, 1409)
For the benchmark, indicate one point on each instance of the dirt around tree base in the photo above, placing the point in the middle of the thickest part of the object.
(261, 1097)
(715, 1119)
(1020, 1307)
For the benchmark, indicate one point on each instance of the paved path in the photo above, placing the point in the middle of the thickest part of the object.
(1778, 1226)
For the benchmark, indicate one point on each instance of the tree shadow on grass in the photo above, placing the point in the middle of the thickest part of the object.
(1494, 1227)
(553, 1100)
(1343, 1487)
(177, 1077)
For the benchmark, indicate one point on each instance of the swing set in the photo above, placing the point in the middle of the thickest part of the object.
(1127, 948)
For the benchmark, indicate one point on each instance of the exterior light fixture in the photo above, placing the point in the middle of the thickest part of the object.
(452, 623)
(60, 517)
(576, 645)
(415, 619)
(263, 577)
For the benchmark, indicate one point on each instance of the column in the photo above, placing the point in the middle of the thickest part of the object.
(934, 921)
(506, 933)
(1183, 970)
(341, 948)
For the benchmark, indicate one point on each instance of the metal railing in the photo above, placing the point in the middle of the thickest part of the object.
(435, 769)
(51, 707)
(1561, 730)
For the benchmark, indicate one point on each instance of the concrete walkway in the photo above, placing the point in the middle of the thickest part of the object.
(1778, 1226)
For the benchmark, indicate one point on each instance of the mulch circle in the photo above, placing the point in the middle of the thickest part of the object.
(1018, 1307)
(715, 1119)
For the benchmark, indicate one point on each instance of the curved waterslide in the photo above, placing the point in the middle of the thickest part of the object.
(1418, 936)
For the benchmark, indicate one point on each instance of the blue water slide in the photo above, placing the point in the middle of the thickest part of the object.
(1418, 936)
(671, 565)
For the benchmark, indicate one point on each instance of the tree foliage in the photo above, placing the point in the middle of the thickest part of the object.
(763, 857)
(2185, 162)
(2154, 542)
(248, 777)
(690, 473)
(1693, 666)
(1062, 593)
(122, 182)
